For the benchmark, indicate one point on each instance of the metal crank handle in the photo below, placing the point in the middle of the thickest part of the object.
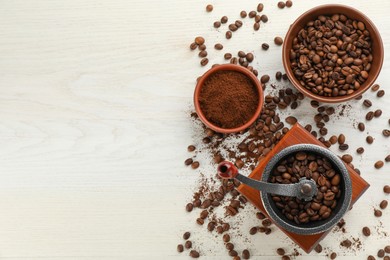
(304, 189)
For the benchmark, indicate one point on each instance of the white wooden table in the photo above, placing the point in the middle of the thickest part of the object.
(94, 104)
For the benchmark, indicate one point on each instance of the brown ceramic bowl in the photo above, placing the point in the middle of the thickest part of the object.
(329, 9)
(227, 67)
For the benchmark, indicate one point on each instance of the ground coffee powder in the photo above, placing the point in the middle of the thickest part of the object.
(228, 99)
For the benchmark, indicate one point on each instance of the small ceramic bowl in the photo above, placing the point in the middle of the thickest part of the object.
(330, 9)
(228, 67)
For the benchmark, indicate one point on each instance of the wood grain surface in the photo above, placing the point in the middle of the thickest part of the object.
(95, 98)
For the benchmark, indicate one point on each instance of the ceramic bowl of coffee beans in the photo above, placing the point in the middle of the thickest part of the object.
(228, 98)
(333, 53)
(327, 207)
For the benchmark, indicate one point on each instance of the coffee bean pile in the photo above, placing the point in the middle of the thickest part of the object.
(311, 166)
(331, 56)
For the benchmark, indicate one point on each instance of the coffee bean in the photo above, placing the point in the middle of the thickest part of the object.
(249, 57)
(380, 93)
(264, 78)
(333, 139)
(343, 147)
(281, 4)
(256, 26)
(291, 120)
(370, 257)
(245, 254)
(318, 248)
(333, 255)
(280, 251)
(278, 40)
(366, 231)
(204, 61)
(387, 249)
(180, 248)
(253, 230)
(226, 238)
(200, 221)
(191, 148)
(224, 19)
(209, 8)
(341, 139)
(286, 257)
(210, 226)
(347, 158)
(252, 14)
(360, 150)
(238, 23)
(367, 103)
(264, 18)
(377, 113)
(387, 158)
(289, 3)
(369, 115)
(195, 165)
(314, 103)
(265, 46)
(202, 54)
(188, 244)
(361, 126)
(186, 235)
(369, 139)
(227, 56)
(204, 214)
(188, 161)
(386, 132)
(260, 7)
(381, 253)
(228, 35)
(375, 87)
(194, 254)
(218, 46)
(229, 246)
(193, 46)
(233, 253)
(278, 75)
(233, 27)
(260, 215)
(379, 164)
(189, 207)
(243, 14)
(383, 204)
(377, 213)
(199, 40)
(386, 189)
(217, 24)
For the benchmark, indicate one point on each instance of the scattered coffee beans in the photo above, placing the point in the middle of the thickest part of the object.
(330, 57)
(289, 3)
(369, 139)
(265, 46)
(381, 253)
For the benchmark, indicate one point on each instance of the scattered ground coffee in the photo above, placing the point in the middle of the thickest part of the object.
(228, 99)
